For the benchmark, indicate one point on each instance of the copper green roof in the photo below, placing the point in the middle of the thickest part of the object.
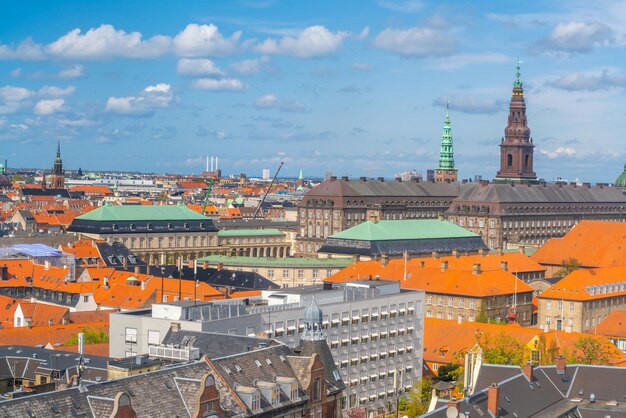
(249, 232)
(289, 262)
(109, 213)
(410, 229)
(621, 180)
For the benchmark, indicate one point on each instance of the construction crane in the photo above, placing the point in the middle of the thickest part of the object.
(267, 191)
(206, 198)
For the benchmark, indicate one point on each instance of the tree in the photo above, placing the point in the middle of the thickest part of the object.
(501, 348)
(450, 372)
(567, 266)
(482, 313)
(418, 398)
(92, 336)
(590, 350)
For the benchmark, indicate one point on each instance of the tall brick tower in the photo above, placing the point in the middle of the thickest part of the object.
(516, 148)
(57, 179)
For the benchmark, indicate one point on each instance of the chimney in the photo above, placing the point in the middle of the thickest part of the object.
(481, 251)
(500, 251)
(434, 255)
(444, 266)
(504, 265)
(190, 264)
(143, 285)
(356, 258)
(125, 262)
(374, 219)
(175, 327)
(560, 364)
(476, 269)
(384, 260)
(220, 266)
(46, 265)
(455, 253)
(522, 249)
(440, 217)
(528, 371)
(493, 400)
(459, 319)
(137, 269)
(422, 264)
(205, 265)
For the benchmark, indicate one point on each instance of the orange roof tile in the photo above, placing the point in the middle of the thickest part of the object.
(92, 190)
(244, 294)
(101, 349)
(455, 282)
(7, 311)
(588, 284)
(101, 315)
(591, 243)
(613, 325)
(44, 335)
(41, 313)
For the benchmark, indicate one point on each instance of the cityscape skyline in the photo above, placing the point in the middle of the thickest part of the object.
(319, 87)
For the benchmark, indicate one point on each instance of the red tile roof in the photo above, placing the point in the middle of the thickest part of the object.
(588, 284)
(613, 325)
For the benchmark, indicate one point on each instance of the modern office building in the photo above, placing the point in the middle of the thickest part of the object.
(374, 330)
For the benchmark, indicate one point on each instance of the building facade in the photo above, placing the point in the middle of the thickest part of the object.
(338, 204)
(528, 214)
(374, 331)
(582, 299)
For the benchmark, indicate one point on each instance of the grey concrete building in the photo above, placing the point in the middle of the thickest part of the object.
(374, 330)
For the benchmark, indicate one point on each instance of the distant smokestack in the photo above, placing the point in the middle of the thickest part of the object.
(207, 163)
(81, 343)
(216, 166)
(212, 163)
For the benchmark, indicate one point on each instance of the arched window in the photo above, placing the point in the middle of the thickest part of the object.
(526, 160)
(509, 160)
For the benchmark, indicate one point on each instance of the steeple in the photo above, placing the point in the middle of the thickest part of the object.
(446, 171)
(300, 182)
(313, 319)
(57, 180)
(516, 148)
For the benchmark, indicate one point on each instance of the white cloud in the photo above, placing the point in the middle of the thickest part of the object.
(589, 81)
(271, 101)
(361, 66)
(472, 105)
(266, 101)
(77, 122)
(144, 104)
(559, 152)
(417, 42)
(405, 6)
(218, 84)
(16, 72)
(27, 50)
(75, 71)
(314, 41)
(48, 107)
(204, 40)
(463, 60)
(197, 67)
(56, 91)
(250, 66)
(575, 37)
(14, 94)
(364, 33)
(107, 42)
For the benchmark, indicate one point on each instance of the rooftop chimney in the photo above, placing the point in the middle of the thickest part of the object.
(522, 249)
(384, 260)
(476, 269)
(560, 364)
(444, 266)
(504, 265)
(136, 268)
(455, 253)
(434, 255)
(205, 265)
(374, 219)
(528, 371)
(493, 400)
(220, 266)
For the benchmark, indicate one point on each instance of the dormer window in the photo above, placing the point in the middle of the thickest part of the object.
(201, 225)
(186, 225)
(132, 227)
(170, 226)
(149, 227)
(294, 391)
(256, 401)
(115, 227)
(275, 396)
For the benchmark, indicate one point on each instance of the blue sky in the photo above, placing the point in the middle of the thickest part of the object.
(356, 87)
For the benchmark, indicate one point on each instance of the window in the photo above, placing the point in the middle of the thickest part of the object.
(275, 396)
(300, 274)
(472, 304)
(294, 391)
(256, 401)
(154, 337)
(450, 301)
(429, 299)
(317, 389)
(131, 335)
(316, 274)
(270, 273)
(440, 300)
(548, 305)
(86, 298)
(461, 303)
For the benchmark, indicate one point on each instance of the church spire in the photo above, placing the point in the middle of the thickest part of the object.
(516, 148)
(57, 179)
(446, 171)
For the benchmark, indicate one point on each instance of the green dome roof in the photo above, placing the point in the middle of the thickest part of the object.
(621, 180)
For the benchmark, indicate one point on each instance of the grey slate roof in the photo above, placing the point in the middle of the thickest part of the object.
(549, 394)
(216, 345)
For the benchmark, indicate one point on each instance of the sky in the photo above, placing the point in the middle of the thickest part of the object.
(355, 87)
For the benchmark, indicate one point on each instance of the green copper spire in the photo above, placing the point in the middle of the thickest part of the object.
(518, 82)
(446, 153)
(300, 177)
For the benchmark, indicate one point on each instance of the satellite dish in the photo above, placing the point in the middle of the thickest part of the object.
(452, 412)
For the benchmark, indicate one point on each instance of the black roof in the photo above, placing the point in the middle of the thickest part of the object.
(396, 248)
(215, 345)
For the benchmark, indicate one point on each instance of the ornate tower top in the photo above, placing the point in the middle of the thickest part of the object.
(58, 163)
(313, 319)
(516, 148)
(446, 152)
